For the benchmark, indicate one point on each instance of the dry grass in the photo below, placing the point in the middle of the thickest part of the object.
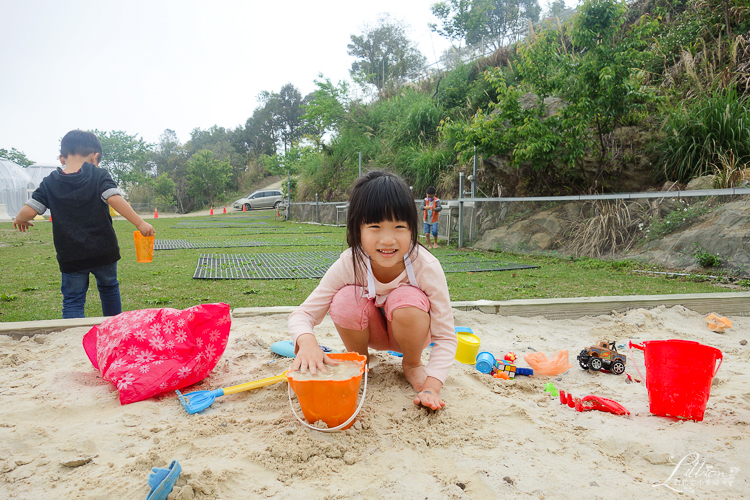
(603, 226)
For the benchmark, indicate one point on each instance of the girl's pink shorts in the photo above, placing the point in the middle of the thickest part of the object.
(352, 310)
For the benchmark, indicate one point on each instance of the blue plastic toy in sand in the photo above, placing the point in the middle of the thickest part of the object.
(162, 481)
(486, 362)
(286, 348)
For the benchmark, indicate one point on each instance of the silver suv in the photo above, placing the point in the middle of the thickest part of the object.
(265, 198)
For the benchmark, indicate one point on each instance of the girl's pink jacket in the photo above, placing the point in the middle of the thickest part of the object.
(430, 279)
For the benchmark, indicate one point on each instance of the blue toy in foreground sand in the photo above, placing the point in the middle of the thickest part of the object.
(286, 348)
(162, 481)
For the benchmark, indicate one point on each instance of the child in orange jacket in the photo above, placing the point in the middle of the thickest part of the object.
(431, 207)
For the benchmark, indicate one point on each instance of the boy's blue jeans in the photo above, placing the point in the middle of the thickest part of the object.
(75, 286)
(431, 228)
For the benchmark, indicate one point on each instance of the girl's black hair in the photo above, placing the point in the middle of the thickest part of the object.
(375, 197)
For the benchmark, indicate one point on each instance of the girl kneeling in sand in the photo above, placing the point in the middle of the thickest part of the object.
(383, 291)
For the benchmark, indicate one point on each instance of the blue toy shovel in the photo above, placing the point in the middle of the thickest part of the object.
(200, 400)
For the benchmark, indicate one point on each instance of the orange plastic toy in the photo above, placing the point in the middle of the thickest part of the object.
(718, 324)
(144, 247)
(332, 401)
(543, 366)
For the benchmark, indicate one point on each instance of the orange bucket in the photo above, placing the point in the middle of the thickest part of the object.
(144, 247)
(332, 401)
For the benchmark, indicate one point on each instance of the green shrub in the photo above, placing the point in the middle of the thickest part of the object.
(674, 220)
(704, 258)
(698, 136)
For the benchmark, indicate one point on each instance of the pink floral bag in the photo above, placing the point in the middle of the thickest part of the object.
(151, 351)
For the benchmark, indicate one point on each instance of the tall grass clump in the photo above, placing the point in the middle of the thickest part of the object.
(603, 226)
(410, 118)
(424, 165)
(704, 132)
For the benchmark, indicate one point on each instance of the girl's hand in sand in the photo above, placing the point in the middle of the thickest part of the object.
(430, 400)
(310, 357)
(429, 396)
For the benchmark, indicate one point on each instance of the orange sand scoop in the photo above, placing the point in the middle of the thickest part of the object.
(718, 324)
(543, 366)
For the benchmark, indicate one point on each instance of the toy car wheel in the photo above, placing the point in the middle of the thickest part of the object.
(584, 364)
(618, 367)
(595, 364)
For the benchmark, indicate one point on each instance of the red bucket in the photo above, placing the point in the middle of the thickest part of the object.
(678, 376)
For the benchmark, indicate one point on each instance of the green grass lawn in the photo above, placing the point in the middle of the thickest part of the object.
(30, 286)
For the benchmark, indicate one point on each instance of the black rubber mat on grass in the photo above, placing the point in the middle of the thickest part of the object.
(218, 224)
(286, 242)
(294, 265)
(299, 265)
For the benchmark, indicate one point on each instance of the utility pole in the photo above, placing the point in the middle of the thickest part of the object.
(474, 176)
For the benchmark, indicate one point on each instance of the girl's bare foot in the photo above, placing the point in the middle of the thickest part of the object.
(434, 245)
(415, 375)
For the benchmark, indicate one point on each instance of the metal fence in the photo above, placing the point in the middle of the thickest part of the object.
(475, 216)
(144, 208)
(593, 225)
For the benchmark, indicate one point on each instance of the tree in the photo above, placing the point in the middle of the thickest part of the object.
(385, 55)
(258, 137)
(16, 157)
(490, 22)
(207, 177)
(458, 19)
(276, 125)
(171, 159)
(326, 108)
(284, 111)
(164, 190)
(169, 155)
(596, 77)
(556, 8)
(603, 83)
(126, 157)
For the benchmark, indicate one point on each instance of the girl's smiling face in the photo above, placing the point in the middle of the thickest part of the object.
(386, 243)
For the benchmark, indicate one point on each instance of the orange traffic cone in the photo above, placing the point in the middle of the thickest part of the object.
(156, 213)
(212, 210)
(243, 208)
(50, 217)
(225, 209)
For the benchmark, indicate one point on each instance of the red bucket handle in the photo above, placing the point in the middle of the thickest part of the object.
(720, 358)
(631, 344)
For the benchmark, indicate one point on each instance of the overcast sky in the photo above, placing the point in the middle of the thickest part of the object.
(143, 66)
(146, 66)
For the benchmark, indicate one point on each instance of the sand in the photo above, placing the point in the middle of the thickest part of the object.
(64, 435)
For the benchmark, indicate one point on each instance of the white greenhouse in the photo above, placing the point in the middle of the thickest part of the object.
(15, 188)
(39, 171)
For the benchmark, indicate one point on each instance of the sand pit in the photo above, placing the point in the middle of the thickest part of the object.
(64, 435)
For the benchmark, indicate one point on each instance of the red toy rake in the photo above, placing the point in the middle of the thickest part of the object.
(590, 402)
